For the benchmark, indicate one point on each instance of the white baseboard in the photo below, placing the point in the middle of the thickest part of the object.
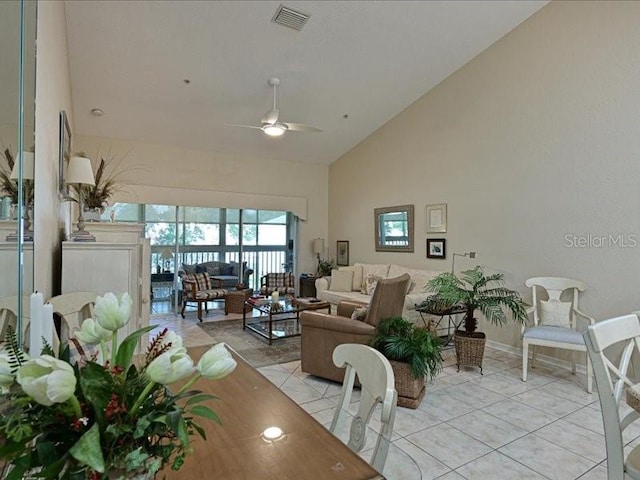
(545, 359)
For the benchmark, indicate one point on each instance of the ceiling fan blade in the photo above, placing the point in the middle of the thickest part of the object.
(271, 116)
(301, 127)
(243, 126)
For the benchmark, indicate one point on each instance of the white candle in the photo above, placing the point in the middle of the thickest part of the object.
(35, 325)
(47, 323)
(275, 297)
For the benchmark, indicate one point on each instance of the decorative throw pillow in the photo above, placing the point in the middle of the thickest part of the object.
(370, 284)
(226, 270)
(360, 313)
(555, 313)
(201, 269)
(189, 269)
(213, 270)
(341, 281)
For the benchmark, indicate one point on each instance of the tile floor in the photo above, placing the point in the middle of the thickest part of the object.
(471, 426)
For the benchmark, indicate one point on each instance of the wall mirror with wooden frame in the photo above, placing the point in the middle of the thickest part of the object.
(394, 228)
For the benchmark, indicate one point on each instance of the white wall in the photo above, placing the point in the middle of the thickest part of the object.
(175, 176)
(535, 139)
(53, 93)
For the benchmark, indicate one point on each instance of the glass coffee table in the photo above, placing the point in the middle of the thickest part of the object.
(280, 319)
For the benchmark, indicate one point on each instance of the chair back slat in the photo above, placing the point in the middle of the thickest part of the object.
(377, 386)
(616, 338)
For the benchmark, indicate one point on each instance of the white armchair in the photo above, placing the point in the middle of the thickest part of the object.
(555, 321)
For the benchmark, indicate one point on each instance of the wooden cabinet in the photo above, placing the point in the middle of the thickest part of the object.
(118, 267)
(307, 287)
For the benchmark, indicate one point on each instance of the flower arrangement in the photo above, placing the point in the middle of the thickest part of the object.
(113, 418)
(107, 177)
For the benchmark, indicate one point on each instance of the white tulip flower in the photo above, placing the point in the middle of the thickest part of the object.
(216, 363)
(92, 333)
(112, 314)
(170, 367)
(172, 338)
(47, 380)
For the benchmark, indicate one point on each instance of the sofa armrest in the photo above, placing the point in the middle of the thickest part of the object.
(346, 308)
(335, 323)
(322, 284)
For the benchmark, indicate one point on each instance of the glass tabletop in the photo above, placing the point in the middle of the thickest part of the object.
(399, 465)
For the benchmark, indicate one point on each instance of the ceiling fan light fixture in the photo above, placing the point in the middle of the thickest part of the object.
(274, 130)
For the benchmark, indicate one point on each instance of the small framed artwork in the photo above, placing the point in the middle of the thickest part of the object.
(342, 252)
(437, 218)
(64, 153)
(436, 248)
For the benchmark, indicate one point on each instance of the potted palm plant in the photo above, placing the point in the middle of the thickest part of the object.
(414, 354)
(474, 290)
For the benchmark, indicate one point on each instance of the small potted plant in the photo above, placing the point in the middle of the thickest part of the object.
(474, 290)
(414, 354)
(325, 267)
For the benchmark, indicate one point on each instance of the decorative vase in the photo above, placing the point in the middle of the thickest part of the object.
(92, 214)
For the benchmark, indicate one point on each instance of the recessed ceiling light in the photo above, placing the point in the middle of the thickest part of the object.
(96, 112)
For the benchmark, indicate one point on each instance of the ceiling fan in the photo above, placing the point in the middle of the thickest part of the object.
(270, 123)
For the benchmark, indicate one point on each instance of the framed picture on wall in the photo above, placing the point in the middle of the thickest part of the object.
(436, 248)
(437, 218)
(342, 252)
(64, 153)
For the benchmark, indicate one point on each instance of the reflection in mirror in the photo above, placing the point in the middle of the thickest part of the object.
(394, 229)
(17, 120)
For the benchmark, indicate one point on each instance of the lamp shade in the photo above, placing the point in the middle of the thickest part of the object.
(318, 246)
(80, 171)
(166, 254)
(28, 160)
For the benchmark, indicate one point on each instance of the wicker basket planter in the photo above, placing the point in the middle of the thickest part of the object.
(469, 348)
(410, 390)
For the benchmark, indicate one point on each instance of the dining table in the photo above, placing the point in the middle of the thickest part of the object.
(248, 404)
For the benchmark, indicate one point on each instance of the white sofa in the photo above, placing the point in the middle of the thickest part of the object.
(416, 293)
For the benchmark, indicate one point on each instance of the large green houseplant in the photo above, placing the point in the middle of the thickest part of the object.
(414, 354)
(473, 290)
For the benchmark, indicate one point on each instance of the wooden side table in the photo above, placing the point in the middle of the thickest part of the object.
(234, 302)
(307, 287)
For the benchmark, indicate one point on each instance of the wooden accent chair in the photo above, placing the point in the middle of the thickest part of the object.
(282, 283)
(197, 289)
(555, 321)
(322, 333)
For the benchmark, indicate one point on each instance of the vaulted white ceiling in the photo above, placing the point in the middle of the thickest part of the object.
(366, 60)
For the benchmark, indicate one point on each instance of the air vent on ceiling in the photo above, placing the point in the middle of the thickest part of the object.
(290, 18)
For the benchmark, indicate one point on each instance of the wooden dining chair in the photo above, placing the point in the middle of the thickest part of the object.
(555, 321)
(377, 386)
(615, 338)
(72, 308)
(9, 316)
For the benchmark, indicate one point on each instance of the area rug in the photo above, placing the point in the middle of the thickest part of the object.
(254, 349)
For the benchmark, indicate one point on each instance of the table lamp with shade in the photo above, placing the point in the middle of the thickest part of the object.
(27, 160)
(80, 174)
(166, 257)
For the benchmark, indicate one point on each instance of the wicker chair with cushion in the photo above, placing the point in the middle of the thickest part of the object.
(322, 333)
(197, 289)
(282, 283)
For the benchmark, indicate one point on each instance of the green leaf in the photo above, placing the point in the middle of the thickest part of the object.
(200, 398)
(128, 346)
(87, 449)
(141, 426)
(200, 430)
(205, 412)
